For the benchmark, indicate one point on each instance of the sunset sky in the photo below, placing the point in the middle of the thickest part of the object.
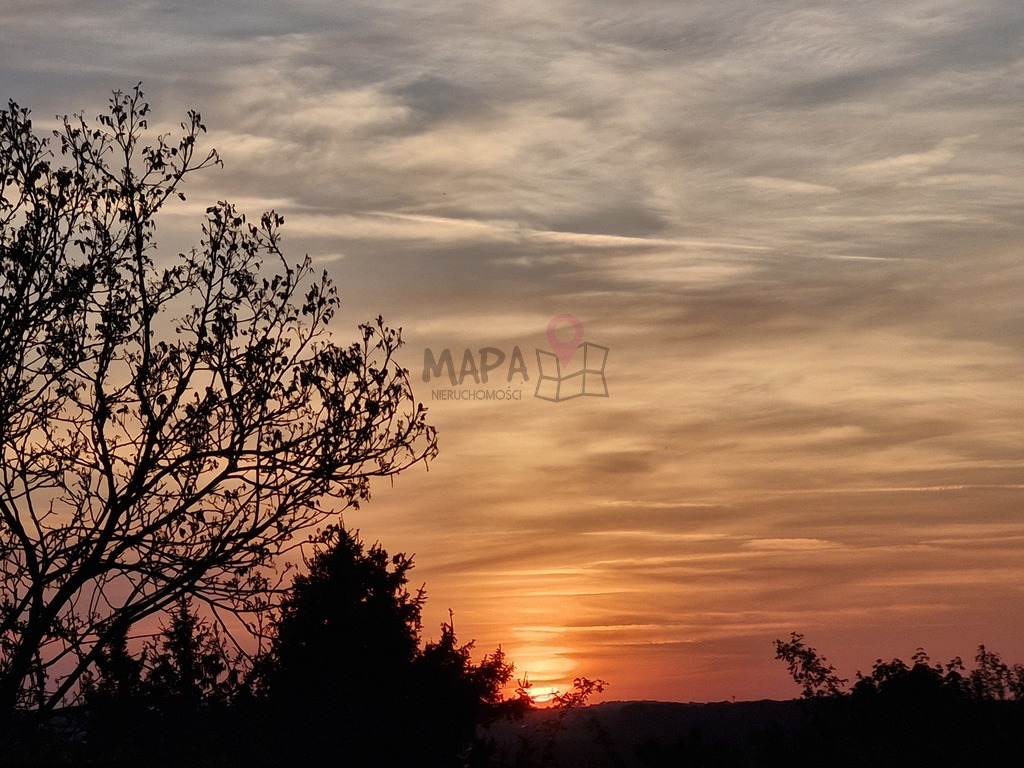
(798, 228)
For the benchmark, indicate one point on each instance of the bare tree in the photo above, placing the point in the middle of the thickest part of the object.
(164, 431)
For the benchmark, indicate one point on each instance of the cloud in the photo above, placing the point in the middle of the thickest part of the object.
(795, 227)
(909, 165)
(794, 545)
(790, 186)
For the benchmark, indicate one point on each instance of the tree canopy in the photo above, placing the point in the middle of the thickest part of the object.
(347, 680)
(348, 676)
(168, 425)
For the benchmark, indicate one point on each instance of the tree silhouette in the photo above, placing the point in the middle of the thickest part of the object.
(348, 624)
(901, 714)
(170, 705)
(189, 665)
(809, 670)
(118, 676)
(167, 425)
(347, 679)
(454, 696)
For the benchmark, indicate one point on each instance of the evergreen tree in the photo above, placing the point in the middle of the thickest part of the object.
(347, 679)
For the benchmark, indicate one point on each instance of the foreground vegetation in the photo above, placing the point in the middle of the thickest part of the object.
(170, 426)
(345, 680)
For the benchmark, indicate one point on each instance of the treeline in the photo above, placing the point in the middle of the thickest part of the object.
(906, 713)
(346, 680)
(900, 714)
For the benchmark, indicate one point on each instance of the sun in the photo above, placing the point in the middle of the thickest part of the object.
(544, 696)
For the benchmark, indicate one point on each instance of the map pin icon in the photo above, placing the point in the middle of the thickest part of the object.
(564, 350)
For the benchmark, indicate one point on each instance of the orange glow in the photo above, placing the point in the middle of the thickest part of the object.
(544, 697)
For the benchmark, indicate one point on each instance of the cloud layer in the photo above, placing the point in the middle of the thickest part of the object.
(796, 226)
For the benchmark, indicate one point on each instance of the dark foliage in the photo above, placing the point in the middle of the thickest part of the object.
(172, 705)
(908, 715)
(809, 670)
(346, 681)
(168, 426)
(347, 675)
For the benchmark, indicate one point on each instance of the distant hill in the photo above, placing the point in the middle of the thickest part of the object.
(631, 734)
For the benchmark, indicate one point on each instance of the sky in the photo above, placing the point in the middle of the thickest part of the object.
(796, 228)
